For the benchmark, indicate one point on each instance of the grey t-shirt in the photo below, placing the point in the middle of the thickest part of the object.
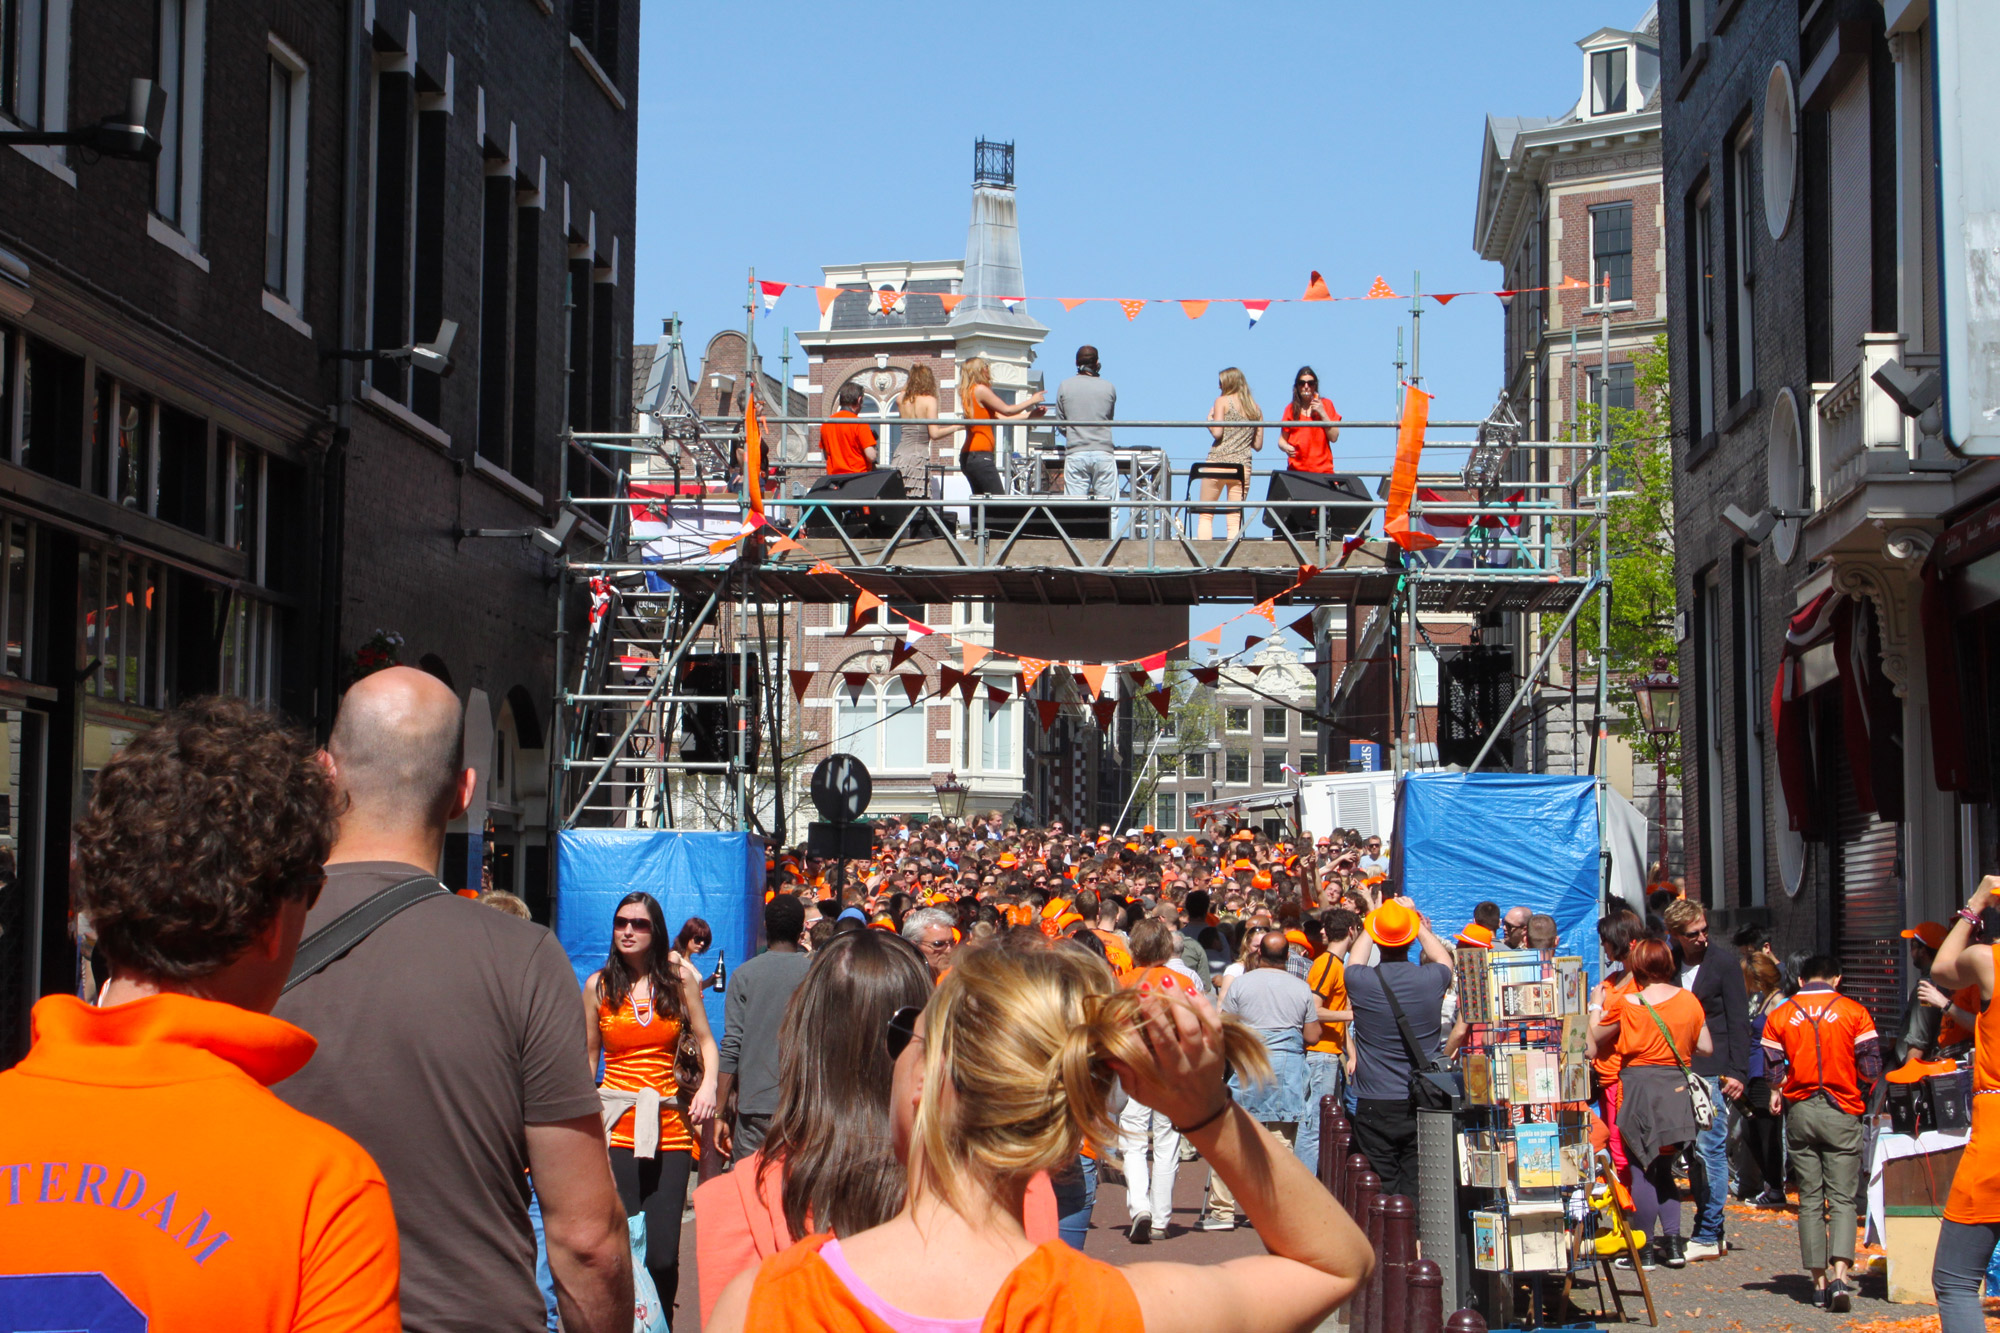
(1276, 1003)
(1381, 1060)
(1081, 400)
(752, 1013)
(442, 1036)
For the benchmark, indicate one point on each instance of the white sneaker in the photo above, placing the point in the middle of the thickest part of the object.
(1217, 1223)
(1704, 1249)
(1141, 1230)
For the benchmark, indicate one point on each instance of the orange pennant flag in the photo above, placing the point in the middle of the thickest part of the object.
(865, 603)
(753, 454)
(971, 654)
(1208, 636)
(1267, 609)
(1031, 671)
(1380, 290)
(780, 543)
(827, 296)
(1131, 307)
(1195, 309)
(887, 300)
(1569, 284)
(1316, 289)
(1306, 573)
(1093, 676)
(1069, 303)
(822, 567)
(950, 300)
(1403, 481)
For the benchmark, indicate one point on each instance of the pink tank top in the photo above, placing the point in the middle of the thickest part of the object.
(900, 1320)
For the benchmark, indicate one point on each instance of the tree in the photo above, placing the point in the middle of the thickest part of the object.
(1193, 718)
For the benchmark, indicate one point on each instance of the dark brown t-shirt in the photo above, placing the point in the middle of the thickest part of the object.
(441, 1037)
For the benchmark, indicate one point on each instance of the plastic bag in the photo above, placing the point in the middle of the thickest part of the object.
(647, 1315)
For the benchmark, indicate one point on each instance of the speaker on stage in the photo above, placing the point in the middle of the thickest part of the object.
(1081, 520)
(856, 518)
(706, 734)
(1302, 493)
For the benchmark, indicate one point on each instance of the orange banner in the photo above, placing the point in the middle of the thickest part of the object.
(1403, 481)
(753, 454)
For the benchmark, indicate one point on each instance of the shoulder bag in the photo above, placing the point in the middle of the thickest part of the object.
(331, 942)
(1704, 1105)
(1434, 1085)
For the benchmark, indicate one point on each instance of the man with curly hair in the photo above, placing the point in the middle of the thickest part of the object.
(148, 1178)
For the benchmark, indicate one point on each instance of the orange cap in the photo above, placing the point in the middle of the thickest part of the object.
(1929, 933)
(1242, 864)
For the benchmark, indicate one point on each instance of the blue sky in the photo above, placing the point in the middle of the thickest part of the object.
(1161, 150)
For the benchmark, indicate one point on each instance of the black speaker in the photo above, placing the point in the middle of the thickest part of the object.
(705, 728)
(1304, 492)
(1080, 519)
(850, 489)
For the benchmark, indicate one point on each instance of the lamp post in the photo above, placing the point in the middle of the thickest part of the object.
(1659, 699)
(951, 794)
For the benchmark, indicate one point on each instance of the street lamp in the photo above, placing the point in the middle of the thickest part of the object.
(951, 794)
(131, 137)
(1659, 699)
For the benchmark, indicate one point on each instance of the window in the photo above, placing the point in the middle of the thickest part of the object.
(1742, 272)
(178, 54)
(1236, 767)
(1623, 392)
(1701, 346)
(1166, 813)
(285, 178)
(126, 434)
(996, 735)
(125, 627)
(1309, 762)
(181, 463)
(902, 730)
(1274, 723)
(1237, 719)
(34, 62)
(884, 730)
(1196, 766)
(1608, 81)
(389, 230)
(1694, 26)
(1274, 768)
(1611, 253)
(1752, 703)
(496, 316)
(595, 23)
(51, 408)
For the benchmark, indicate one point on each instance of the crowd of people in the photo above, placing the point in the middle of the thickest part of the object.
(320, 1090)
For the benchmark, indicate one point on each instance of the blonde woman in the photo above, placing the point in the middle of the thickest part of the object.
(1232, 448)
(1008, 1071)
(978, 404)
(919, 404)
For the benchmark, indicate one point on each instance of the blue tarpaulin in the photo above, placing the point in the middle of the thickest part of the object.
(1516, 839)
(718, 877)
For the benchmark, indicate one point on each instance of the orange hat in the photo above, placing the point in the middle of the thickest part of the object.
(1131, 846)
(1929, 933)
(1475, 936)
(1148, 829)
(1392, 925)
(1243, 835)
(770, 894)
(1008, 861)
(1067, 919)
(1242, 864)
(1169, 843)
(1261, 880)
(1298, 937)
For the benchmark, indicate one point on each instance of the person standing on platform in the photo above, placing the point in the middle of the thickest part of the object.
(753, 1010)
(918, 408)
(1085, 405)
(1715, 976)
(979, 405)
(1971, 1226)
(1822, 1057)
(1310, 448)
(846, 444)
(1235, 440)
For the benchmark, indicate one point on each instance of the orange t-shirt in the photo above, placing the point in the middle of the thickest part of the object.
(146, 1165)
(1159, 978)
(1328, 979)
(1639, 1039)
(1054, 1290)
(978, 439)
(1950, 1031)
(641, 1055)
(1975, 1186)
(842, 442)
(1311, 451)
(1607, 1065)
(1816, 1031)
(1115, 950)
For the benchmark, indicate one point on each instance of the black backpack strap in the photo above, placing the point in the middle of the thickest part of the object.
(331, 942)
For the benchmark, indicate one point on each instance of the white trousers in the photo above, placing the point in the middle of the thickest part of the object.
(1149, 1191)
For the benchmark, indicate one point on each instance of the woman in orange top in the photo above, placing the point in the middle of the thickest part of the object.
(636, 1005)
(977, 402)
(1972, 1212)
(1309, 448)
(1005, 1073)
(1655, 1031)
(1616, 935)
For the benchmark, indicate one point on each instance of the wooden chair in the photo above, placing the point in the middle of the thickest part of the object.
(1605, 1266)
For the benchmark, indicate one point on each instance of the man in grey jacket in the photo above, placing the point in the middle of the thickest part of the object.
(1085, 405)
(752, 1012)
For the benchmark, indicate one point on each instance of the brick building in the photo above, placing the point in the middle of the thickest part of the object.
(1261, 741)
(193, 496)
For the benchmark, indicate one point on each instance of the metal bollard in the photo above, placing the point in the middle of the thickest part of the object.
(1399, 1248)
(1343, 1147)
(1367, 1188)
(1357, 1166)
(1423, 1311)
(1329, 1159)
(1465, 1321)
(1377, 1228)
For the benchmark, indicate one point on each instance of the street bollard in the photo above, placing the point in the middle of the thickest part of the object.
(1329, 1110)
(1357, 1166)
(1378, 1220)
(1424, 1311)
(1343, 1145)
(1367, 1186)
(1399, 1248)
(1465, 1321)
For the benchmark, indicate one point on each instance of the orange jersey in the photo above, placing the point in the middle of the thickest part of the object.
(1607, 1066)
(145, 1166)
(1640, 1041)
(1817, 1031)
(640, 1054)
(1115, 950)
(1053, 1290)
(1328, 979)
(1975, 1186)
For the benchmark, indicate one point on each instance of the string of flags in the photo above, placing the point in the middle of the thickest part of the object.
(887, 299)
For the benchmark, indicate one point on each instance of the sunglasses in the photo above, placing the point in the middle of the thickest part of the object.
(1306, 384)
(638, 923)
(902, 1030)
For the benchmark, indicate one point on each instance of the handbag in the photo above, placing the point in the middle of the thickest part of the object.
(1703, 1104)
(688, 1071)
(1434, 1086)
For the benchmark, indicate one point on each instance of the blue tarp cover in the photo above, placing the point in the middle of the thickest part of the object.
(1516, 839)
(718, 877)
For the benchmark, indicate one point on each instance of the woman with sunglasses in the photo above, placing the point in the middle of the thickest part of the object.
(635, 1007)
(1007, 1072)
(1310, 448)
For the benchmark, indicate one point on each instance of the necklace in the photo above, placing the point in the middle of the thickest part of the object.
(642, 1009)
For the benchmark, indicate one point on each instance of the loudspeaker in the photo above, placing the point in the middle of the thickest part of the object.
(850, 489)
(1303, 492)
(705, 728)
(1080, 519)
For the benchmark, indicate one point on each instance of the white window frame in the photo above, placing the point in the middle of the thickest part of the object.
(1166, 809)
(292, 295)
(1243, 730)
(1703, 387)
(1593, 300)
(185, 129)
(1742, 222)
(51, 110)
(1591, 57)
(1228, 781)
(1284, 731)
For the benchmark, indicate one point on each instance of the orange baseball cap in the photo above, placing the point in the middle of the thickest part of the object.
(1148, 829)
(1392, 925)
(1929, 933)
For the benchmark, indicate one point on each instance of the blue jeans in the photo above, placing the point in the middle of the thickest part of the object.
(543, 1278)
(1076, 1195)
(1710, 1160)
(1092, 474)
(1323, 1079)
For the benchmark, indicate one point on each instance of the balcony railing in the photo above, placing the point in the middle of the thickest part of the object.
(1860, 432)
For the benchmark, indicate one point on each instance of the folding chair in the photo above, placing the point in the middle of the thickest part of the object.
(1607, 1264)
(1236, 473)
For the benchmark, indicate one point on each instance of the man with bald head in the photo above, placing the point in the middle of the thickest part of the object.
(1285, 1012)
(451, 1044)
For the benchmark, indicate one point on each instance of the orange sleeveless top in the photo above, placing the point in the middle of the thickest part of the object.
(1608, 1066)
(1053, 1290)
(978, 439)
(641, 1055)
(1975, 1187)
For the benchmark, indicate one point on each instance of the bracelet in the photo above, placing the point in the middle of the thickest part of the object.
(1228, 1100)
(1971, 918)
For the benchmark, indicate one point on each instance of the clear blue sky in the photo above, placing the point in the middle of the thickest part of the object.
(1161, 150)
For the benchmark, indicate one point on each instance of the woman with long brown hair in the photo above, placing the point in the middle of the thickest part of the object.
(1232, 448)
(635, 1007)
(1309, 448)
(978, 403)
(1007, 1072)
(918, 408)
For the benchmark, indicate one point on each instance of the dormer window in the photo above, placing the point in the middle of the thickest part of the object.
(1620, 71)
(1608, 81)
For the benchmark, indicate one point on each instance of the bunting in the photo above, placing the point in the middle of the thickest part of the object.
(771, 291)
(1047, 710)
(948, 678)
(1303, 626)
(1316, 289)
(996, 696)
(854, 681)
(889, 301)
(1163, 700)
(966, 685)
(950, 301)
(1268, 608)
(827, 296)
(1379, 291)
(1306, 573)
(1195, 309)
(1569, 284)
(1403, 481)
(1131, 308)
(865, 603)
(1104, 710)
(801, 680)
(1206, 675)
(1069, 303)
(1255, 309)
(1213, 636)
(1031, 671)
(900, 653)
(972, 654)
(913, 684)
(1444, 298)
(1093, 675)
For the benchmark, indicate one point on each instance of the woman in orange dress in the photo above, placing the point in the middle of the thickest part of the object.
(1972, 1212)
(635, 1007)
(1006, 1072)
